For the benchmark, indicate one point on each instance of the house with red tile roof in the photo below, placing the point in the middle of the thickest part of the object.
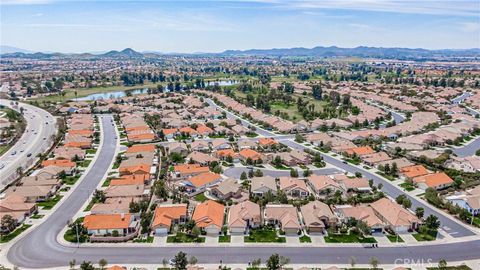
(208, 216)
(104, 224)
(202, 181)
(439, 180)
(166, 216)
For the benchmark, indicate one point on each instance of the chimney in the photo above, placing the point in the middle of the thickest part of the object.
(122, 216)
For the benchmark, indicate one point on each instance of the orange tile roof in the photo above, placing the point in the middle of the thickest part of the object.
(131, 179)
(266, 141)
(190, 168)
(208, 213)
(142, 136)
(360, 151)
(84, 132)
(225, 153)
(116, 267)
(78, 144)
(188, 130)
(141, 148)
(414, 171)
(249, 153)
(113, 221)
(204, 129)
(434, 180)
(165, 213)
(142, 127)
(204, 178)
(133, 169)
(59, 163)
(168, 131)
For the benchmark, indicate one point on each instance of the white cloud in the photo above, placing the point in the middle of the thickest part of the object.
(431, 7)
(469, 27)
(25, 2)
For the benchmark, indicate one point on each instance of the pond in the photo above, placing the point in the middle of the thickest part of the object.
(114, 94)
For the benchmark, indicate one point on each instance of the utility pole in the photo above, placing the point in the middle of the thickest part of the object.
(76, 229)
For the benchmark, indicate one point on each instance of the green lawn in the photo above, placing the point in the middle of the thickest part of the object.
(424, 237)
(106, 183)
(149, 239)
(184, 238)
(84, 163)
(348, 238)
(305, 239)
(15, 233)
(71, 180)
(37, 216)
(71, 236)
(200, 197)
(281, 167)
(393, 238)
(91, 151)
(251, 134)
(50, 203)
(264, 235)
(224, 239)
(459, 267)
(353, 161)
(407, 186)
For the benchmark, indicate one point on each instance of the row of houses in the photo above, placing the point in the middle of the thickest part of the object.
(20, 201)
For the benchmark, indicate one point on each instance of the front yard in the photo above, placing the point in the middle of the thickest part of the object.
(15, 233)
(264, 235)
(348, 238)
(394, 238)
(305, 239)
(181, 237)
(50, 203)
(224, 239)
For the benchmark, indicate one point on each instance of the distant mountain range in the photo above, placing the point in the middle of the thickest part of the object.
(328, 52)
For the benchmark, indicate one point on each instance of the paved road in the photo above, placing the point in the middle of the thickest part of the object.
(469, 149)
(41, 244)
(237, 171)
(36, 139)
(397, 117)
(451, 227)
(40, 249)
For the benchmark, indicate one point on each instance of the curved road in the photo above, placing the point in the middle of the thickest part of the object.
(40, 249)
(36, 139)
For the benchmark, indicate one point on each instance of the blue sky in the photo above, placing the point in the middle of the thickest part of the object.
(213, 26)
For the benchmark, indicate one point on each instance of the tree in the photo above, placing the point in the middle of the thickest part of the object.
(180, 261)
(432, 222)
(102, 263)
(8, 223)
(193, 260)
(273, 262)
(374, 262)
(419, 212)
(353, 261)
(72, 264)
(87, 266)
(256, 263)
(293, 173)
(317, 91)
(442, 264)
(243, 176)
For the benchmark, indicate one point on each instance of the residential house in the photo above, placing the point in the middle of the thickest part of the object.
(294, 187)
(439, 180)
(208, 216)
(262, 185)
(399, 219)
(244, 216)
(317, 217)
(285, 216)
(166, 216)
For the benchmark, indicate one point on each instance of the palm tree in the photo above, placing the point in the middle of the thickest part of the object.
(72, 264)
